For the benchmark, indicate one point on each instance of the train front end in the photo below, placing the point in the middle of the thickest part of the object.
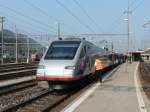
(58, 65)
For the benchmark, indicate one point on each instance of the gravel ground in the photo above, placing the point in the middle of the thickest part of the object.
(14, 98)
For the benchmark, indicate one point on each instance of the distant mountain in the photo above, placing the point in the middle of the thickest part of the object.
(10, 40)
(10, 37)
(10, 34)
(7, 33)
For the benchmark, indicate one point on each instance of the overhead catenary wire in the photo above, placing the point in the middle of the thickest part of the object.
(73, 15)
(46, 14)
(117, 21)
(23, 26)
(29, 35)
(30, 18)
(27, 23)
(40, 10)
(86, 13)
(138, 5)
(26, 32)
(132, 3)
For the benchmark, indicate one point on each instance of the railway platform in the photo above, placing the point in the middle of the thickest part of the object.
(121, 92)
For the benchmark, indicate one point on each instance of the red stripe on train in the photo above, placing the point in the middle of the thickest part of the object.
(57, 79)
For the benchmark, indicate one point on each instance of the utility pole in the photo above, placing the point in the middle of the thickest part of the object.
(2, 40)
(28, 50)
(59, 30)
(128, 12)
(16, 32)
(112, 50)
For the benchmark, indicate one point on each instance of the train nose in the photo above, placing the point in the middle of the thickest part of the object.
(58, 69)
(54, 71)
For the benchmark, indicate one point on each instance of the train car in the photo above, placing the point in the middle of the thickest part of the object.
(70, 60)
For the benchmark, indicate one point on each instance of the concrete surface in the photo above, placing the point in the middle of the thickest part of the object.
(118, 93)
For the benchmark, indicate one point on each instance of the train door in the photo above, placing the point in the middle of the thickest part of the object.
(89, 57)
(84, 61)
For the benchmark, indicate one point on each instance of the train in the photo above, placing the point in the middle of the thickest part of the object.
(67, 62)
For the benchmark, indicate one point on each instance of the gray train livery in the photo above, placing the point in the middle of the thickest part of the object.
(71, 60)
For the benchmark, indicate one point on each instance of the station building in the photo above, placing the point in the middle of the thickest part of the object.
(142, 54)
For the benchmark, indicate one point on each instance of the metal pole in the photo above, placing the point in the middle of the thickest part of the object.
(128, 32)
(112, 50)
(2, 40)
(58, 30)
(16, 44)
(28, 50)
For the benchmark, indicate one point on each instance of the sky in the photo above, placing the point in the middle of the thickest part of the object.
(36, 17)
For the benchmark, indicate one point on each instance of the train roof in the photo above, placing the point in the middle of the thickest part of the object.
(71, 40)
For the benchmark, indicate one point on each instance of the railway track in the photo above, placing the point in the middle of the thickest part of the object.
(49, 101)
(10, 100)
(35, 99)
(16, 74)
(19, 93)
(15, 65)
(17, 84)
(16, 70)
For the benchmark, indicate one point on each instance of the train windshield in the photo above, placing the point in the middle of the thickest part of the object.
(62, 50)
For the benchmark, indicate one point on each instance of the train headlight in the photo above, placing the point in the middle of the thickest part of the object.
(41, 67)
(70, 67)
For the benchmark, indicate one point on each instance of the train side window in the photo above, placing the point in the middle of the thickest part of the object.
(82, 53)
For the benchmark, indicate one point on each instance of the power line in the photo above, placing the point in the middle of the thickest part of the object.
(40, 10)
(26, 23)
(28, 17)
(85, 12)
(132, 3)
(138, 5)
(29, 28)
(70, 12)
(28, 34)
(125, 10)
(45, 13)
(19, 29)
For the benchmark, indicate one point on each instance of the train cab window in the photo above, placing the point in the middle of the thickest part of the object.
(62, 50)
(82, 53)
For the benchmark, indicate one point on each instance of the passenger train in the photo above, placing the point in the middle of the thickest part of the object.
(70, 60)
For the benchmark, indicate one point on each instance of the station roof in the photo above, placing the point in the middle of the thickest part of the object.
(147, 51)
